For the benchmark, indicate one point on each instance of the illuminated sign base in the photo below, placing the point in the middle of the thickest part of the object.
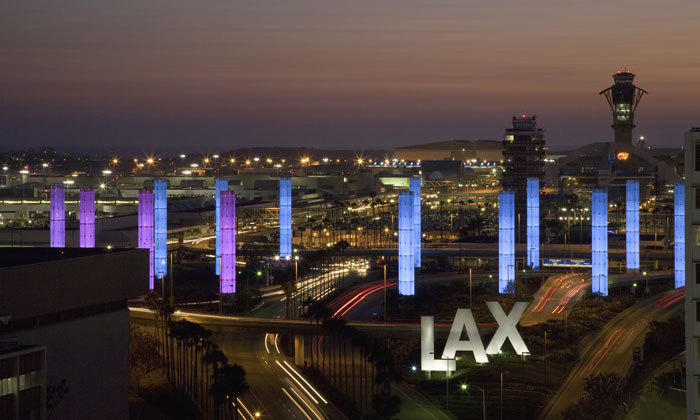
(464, 320)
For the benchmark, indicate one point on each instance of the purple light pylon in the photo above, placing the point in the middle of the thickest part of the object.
(87, 218)
(58, 216)
(227, 280)
(146, 230)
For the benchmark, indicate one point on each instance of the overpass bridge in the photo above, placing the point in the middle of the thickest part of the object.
(297, 327)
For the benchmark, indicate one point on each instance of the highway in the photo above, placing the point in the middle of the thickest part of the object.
(277, 388)
(555, 297)
(610, 349)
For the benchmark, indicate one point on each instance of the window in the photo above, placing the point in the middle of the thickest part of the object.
(697, 235)
(697, 273)
(697, 311)
(697, 198)
(697, 348)
(697, 156)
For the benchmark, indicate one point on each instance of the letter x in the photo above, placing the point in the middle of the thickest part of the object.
(507, 327)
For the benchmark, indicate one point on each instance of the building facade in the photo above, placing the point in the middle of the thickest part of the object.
(692, 272)
(64, 317)
(523, 157)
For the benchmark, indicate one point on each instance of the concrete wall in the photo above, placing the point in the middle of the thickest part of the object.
(92, 354)
(57, 285)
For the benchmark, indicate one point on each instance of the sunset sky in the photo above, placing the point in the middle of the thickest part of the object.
(214, 75)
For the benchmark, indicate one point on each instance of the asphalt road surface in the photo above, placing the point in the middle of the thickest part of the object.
(555, 297)
(278, 390)
(610, 350)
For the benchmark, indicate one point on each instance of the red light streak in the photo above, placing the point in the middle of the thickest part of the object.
(547, 300)
(616, 335)
(540, 301)
(674, 300)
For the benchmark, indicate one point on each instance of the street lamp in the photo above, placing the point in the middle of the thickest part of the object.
(465, 387)
(502, 393)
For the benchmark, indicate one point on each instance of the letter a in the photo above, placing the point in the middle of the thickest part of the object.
(464, 319)
(507, 328)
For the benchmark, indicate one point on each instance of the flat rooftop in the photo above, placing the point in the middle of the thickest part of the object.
(15, 257)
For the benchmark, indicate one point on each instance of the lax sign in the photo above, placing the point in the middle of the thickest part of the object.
(507, 329)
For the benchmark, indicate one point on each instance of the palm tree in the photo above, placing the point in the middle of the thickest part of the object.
(228, 384)
(212, 358)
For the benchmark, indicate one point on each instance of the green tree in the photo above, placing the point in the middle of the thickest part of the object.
(603, 397)
(143, 351)
(228, 383)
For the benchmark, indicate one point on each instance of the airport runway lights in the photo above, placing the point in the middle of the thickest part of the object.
(414, 185)
(227, 279)
(58, 216)
(533, 223)
(506, 242)
(160, 202)
(285, 217)
(221, 185)
(406, 248)
(145, 230)
(679, 234)
(599, 241)
(87, 218)
(632, 225)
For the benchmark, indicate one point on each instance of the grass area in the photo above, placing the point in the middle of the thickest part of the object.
(524, 390)
(663, 343)
(523, 387)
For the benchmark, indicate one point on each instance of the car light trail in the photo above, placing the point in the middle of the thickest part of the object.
(246, 409)
(540, 301)
(614, 337)
(565, 300)
(548, 295)
(276, 346)
(266, 348)
(306, 382)
(359, 298)
(674, 300)
(297, 381)
(670, 296)
(297, 404)
(309, 406)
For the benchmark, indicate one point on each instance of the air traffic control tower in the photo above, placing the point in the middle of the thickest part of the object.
(623, 98)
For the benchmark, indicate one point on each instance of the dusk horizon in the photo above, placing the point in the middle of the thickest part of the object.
(374, 75)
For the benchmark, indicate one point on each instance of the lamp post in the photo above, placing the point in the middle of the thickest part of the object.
(172, 294)
(522, 379)
(385, 310)
(646, 282)
(466, 387)
(296, 274)
(502, 393)
(470, 288)
(447, 382)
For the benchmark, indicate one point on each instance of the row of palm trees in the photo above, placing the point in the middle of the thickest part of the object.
(359, 366)
(195, 365)
(326, 260)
